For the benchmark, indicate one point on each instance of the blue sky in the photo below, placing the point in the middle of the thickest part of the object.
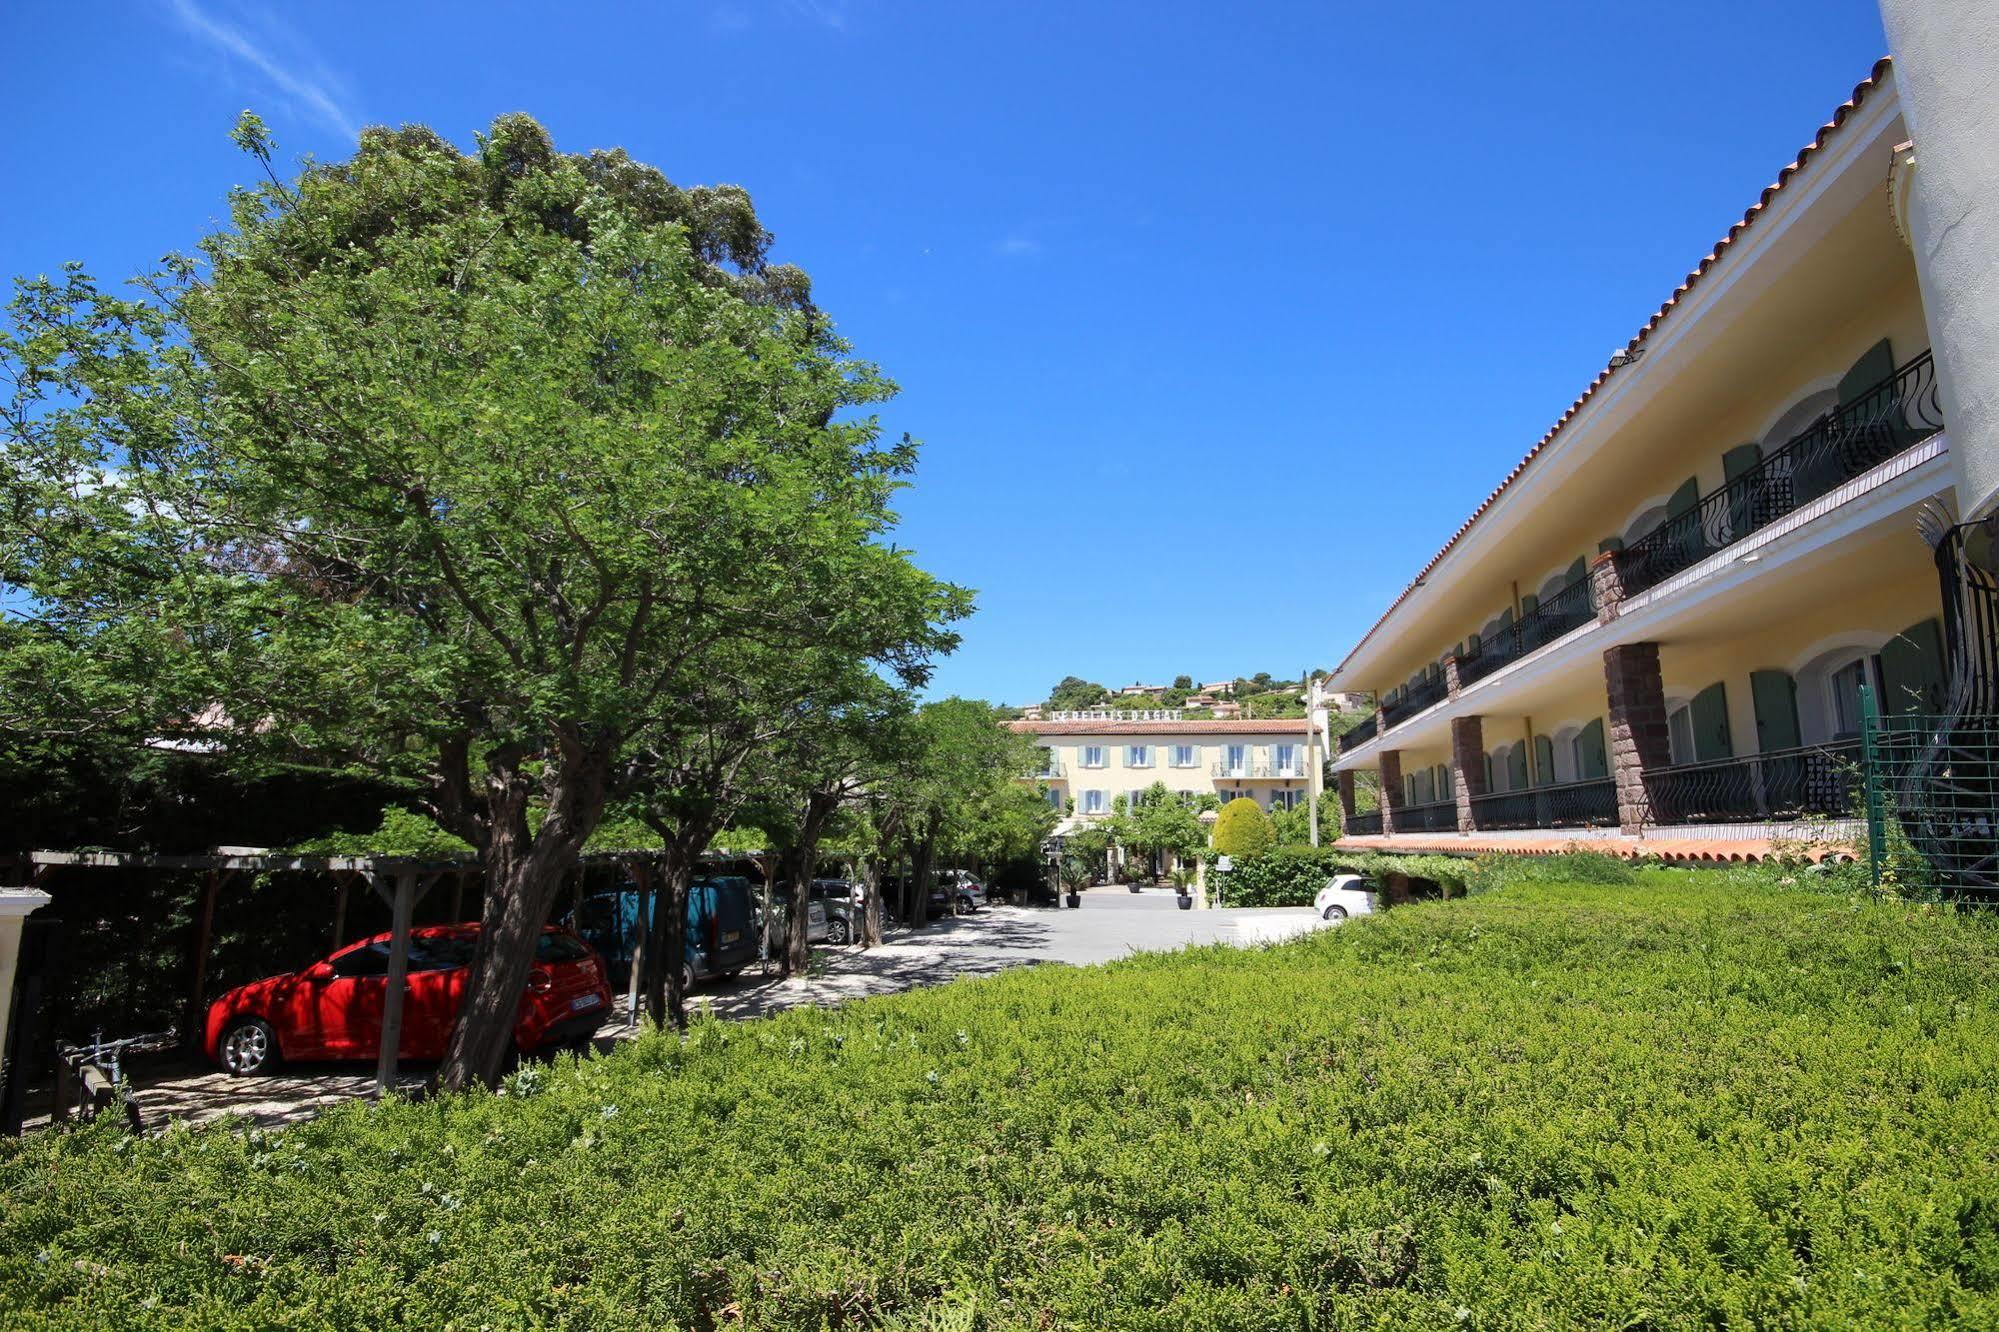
(1215, 320)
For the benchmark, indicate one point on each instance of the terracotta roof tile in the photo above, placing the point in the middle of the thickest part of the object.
(1805, 154)
(1281, 726)
(1668, 850)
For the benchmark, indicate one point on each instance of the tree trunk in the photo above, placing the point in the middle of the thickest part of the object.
(802, 859)
(666, 940)
(919, 877)
(524, 874)
(871, 913)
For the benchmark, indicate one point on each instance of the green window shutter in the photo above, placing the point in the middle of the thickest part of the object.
(1710, 718)
(1608, 544)
(1876, 364)
(1424, 788)
(1516, 768)
(1592, 759)
(1544, 761)
(1745, 509)
(1487, 758)
(1444, 791)
(1575, 572)
(1529, 604)
(1775, 695)
(1685, 500)
(1912, 671)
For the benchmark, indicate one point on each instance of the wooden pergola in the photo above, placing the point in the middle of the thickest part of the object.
(401, 882)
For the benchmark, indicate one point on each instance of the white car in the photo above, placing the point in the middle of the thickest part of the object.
(1344, 895)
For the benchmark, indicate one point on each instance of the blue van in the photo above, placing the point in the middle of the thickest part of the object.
(721, 935)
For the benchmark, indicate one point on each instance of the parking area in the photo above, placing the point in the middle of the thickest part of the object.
(1111, 923)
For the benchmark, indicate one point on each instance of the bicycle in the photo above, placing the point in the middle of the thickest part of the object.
(93, 1075)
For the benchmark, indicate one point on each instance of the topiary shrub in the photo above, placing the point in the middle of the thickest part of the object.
(1243, 829)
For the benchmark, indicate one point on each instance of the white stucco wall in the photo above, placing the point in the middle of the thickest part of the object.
(1947, 68)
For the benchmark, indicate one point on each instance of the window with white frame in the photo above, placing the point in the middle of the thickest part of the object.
(1680, 734)
(1138, 756)
(1185, 756)
(1093, 756)
(1047, 761)
(1094, 802)
(1284, 758)
(1286, 799)
(1237, 760)
(1843, 697)
(1054, 797)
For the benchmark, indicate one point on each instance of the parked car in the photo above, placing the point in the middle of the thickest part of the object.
(818, 924)
(333, 1008)
(844, 901)
(1345, 895)
(721, 928)
(960, 893)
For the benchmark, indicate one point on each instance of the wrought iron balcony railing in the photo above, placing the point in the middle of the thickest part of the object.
(1815, 781)
(1053, 768)
(1364, 825)
(1850, 439)
(1294, 769)
(1437, 816)
(1566, 610)
(1590, 804)
(1420, 696)
(1361, 733)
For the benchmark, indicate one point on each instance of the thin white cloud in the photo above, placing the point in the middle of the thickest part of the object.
(1018, 247)
(308, 92)
(829, 13)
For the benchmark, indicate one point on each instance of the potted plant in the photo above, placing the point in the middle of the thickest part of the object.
(1076, 871)
(1183, 879)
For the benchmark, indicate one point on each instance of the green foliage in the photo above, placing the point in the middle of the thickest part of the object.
(1243, 829)
(1582, 866)
(1074, 694)
(1702, 1101)
(1290, 875)
(401, 832)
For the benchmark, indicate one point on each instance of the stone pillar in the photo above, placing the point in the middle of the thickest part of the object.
(1606, 584)
(1345, 780)
(1468, 757)
(1451, 684)
(1638, 739)
(1390, 763)
(1947, 204)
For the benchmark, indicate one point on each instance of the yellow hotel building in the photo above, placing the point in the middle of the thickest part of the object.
(1658, 624)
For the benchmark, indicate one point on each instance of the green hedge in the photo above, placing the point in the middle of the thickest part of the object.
(1702, 1102)
(1290, 875)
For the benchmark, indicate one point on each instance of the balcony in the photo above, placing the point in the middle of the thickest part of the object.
(1591, 804)
(1817, 781)
(1364, 825)
(1565, 611)
(1857, 437)
(1437, 816)
(1361, 733)
(1272, 771)
(1420, 696)
(1053, 770)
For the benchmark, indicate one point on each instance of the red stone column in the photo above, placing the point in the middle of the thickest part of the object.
(1345, 780)
(1451, 683)
(1468, 757)
(1390, 762)
(1606, 584)
(1638, 737)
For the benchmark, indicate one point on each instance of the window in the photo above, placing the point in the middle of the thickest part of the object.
(1135, 801)
(370, 959)
(1843, 695)
(1185, 756)
(1093, 801)
(1285, 758)
(1047, 761)
(1680, 734)
(1286, 799)
(1238, 760)
(1053, 796)
(1138, 756)
(1228, 793)
(1093, 757)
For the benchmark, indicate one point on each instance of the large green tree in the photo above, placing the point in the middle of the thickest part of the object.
(459, 467)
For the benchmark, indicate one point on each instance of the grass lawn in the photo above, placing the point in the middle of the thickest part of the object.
(1694, 1101)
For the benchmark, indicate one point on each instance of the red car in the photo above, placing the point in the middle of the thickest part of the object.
(333, 1009)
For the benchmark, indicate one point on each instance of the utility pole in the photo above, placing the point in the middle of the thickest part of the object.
(1312, 754)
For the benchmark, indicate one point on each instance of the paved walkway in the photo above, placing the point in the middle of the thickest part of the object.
(1111, 923)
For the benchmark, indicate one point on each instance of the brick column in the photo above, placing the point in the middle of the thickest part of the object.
(1390, 762)
(1344, 778)
(1451, 684)
(1468, 757)
(1638, 740)
(1606, 584)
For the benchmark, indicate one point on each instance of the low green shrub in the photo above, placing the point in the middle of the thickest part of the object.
(1580, 866)
(1290, 875)
(1699, 1101)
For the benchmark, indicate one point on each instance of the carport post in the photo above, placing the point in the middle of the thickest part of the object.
(204, 938)
(642, 876)
(399, 962)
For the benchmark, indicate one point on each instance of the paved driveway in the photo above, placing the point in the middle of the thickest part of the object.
(1111, 923)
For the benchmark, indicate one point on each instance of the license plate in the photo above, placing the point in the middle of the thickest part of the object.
(731, 936)
(583, 1001)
